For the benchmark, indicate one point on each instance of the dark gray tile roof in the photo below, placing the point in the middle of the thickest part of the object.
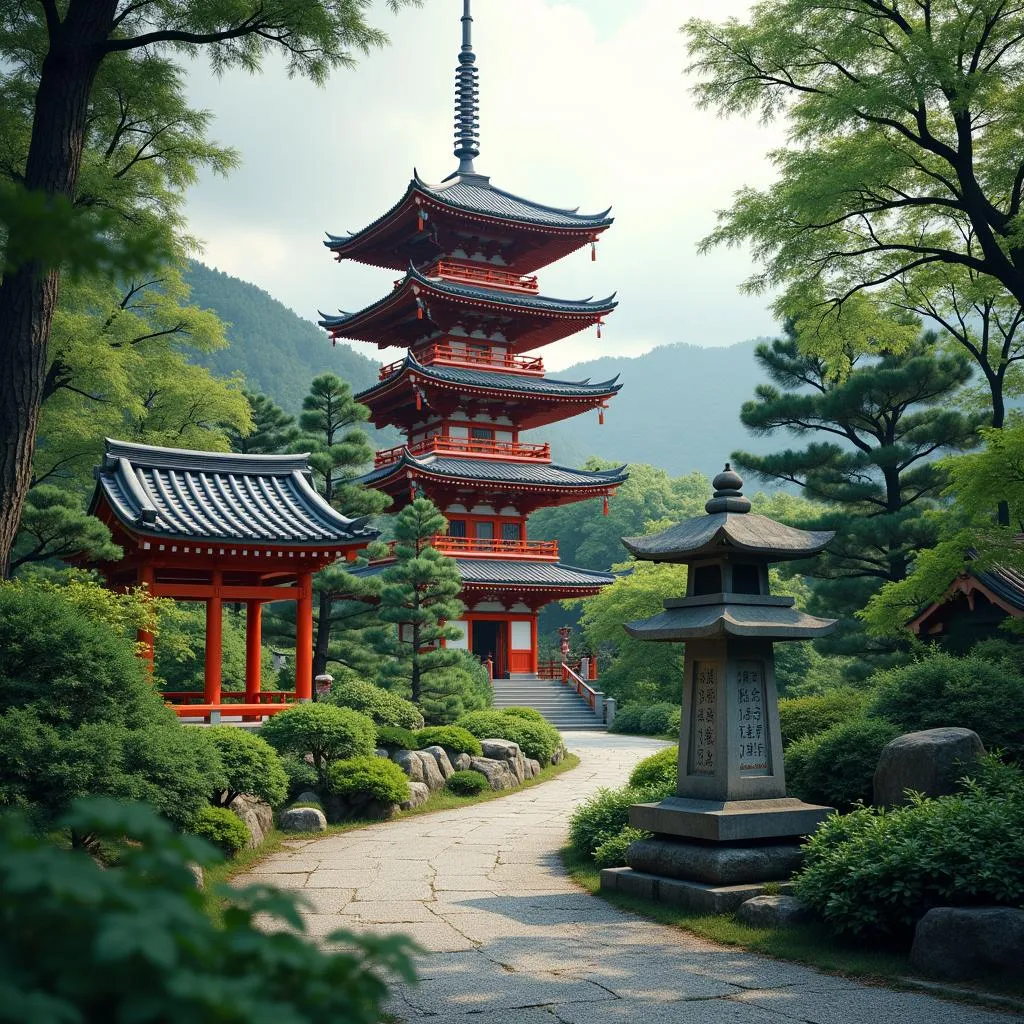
(210, 496)
(492, 380)
(512, 472)
(770, 622)
(1005, 582)
(743, 532)
(514, 572)
(517, 300)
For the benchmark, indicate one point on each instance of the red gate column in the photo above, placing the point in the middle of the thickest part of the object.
(214, 624)
(304, 639)
(253, 650)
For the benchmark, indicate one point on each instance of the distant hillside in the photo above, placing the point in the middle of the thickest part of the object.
(678, 409)
(276, 351)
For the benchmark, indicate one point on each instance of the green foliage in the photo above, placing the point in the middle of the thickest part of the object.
(395, 737)
(376, 778)
(452, 737)
(876, 872)
(384, 707)
(612, 852)
(222, 828)
(603, 816)
(302, 776)
(324, 732)
(975, 692)
(78, 714)
(250, 764)
(466, 783)
(805, 716)
(648, 720)
(837, 767)
(273, 430)
(54, 525)
(530, 714)
(660, 769)
(83, 942)
(537, 740)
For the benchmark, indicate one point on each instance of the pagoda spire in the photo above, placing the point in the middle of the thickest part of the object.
(467, 98)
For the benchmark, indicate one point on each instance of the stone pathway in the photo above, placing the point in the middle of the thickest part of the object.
(509, 939)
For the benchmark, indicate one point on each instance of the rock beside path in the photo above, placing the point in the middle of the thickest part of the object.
(441, 757)
(928, 762)
(303, 819)
(773, 912)
(257, 816)
(419, 793)
(498, 774)
(970, 943)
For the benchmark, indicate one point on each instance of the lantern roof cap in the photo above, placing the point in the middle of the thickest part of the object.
(689, 620)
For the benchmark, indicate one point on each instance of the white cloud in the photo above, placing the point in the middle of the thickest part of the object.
(584, 102)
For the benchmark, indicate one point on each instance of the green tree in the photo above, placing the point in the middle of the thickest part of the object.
(53, 58)
(885, 421)
(250, 764)
(273, 430)
(54, 526)
(420, 593)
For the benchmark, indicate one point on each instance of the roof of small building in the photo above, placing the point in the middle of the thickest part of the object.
(708, 621)
(541, 474)
(728, 527)
(515, 572)
(179, 494)
(496, 381)
(523, 301)
(1005, 582)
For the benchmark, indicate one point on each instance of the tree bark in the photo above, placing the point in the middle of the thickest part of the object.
(29, 293)
(323, 637)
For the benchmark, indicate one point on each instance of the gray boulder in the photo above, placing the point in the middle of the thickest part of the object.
(928, 762)
(308, 797)
(968, 943)
(377, 810)
(443, 764)
(497, 773)
(303, 819)
(419, 793)
(411, 763)
(509, 752)
(431, 773)
(559, 754)
(463, 763)
(257, 815)
(533, 768)
(773, 912)
(382, 752)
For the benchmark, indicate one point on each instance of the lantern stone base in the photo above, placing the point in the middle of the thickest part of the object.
(696, 896)
(712, 863)
(729, 820)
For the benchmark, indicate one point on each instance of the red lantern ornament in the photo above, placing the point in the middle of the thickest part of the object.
(600, 417)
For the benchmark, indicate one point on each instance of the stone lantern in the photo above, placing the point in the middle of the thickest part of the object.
(730, 828)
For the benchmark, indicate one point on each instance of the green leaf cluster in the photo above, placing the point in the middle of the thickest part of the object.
(370, 778)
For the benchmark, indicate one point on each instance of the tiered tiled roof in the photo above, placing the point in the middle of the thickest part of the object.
(480, 572)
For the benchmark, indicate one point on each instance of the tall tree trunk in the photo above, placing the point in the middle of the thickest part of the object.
(995, 385)
(28, 294)
(323, 635)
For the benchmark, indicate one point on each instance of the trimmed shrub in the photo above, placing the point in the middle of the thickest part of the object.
(375, 778)
(451, 737)
(395, 738)
(251, 765)
(972, 692)
(837, 767)
(876, 872)
(660, 769)
(606, 814)
(537, 740)
(805, 716)
(323, 731)
(383, 706)
(649, 720)
(219, 826)
(612, 852)
(466, 783)
(627, 719)
(530, 714)
(301, 774)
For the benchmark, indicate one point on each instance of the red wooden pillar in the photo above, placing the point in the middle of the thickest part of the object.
(253, 650)
(145, 636)
(533, 643)
(304, 639)
(214, 625)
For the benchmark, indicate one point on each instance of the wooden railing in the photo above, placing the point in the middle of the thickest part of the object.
(594, 698)
(467, 447)
(485, 276)
(474, 547)
(448, 355)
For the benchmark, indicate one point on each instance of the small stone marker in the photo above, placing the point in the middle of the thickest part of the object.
(303, 819)
(773, 912)
(928, 762)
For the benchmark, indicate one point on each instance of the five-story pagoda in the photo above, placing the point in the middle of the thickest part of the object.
(471, 317)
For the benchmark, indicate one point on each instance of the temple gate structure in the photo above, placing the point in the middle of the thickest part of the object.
(469, 313)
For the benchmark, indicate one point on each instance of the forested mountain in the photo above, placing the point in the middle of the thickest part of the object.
(679, 408)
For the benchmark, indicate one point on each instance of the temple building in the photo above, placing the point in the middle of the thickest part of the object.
(469, 313)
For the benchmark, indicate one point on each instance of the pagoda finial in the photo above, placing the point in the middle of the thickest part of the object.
(467, 98)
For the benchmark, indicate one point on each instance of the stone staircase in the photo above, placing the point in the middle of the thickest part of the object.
(561, 706)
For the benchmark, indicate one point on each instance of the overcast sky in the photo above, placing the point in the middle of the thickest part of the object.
(584, 103)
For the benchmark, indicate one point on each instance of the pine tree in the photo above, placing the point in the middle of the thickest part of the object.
(887, 420)
(420, 593)
(273, 430)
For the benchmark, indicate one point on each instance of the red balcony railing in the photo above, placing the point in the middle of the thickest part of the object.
(447, 355)
(467, 447)
(484, 276)
(474, 547)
